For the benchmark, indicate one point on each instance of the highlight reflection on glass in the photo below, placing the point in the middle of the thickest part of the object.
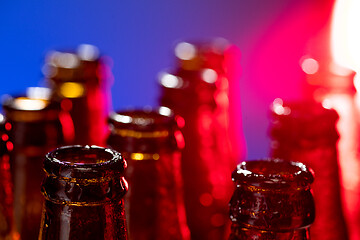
(185, 51)
(23, 103)
(72, 90)
(309, 65)
(170, 81)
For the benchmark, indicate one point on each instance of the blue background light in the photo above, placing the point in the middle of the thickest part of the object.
(139, 36)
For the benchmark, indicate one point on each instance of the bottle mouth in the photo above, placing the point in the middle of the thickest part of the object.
(34, 106)
(143, 117)
(84, 162)
(303, 110)
(273, 173)
(35, 99)
(143, 123)
(303, 123)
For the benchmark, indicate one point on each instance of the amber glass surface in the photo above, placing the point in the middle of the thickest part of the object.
(272, 201)
(80, 82)
(150, 142)
(306, 131)
(198, 89)
(84, 189)
(34, 129)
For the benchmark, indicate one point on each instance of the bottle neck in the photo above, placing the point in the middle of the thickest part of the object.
(145, 145)
(144, 132)
(84, 176)
(34, 126)
(272, 199)
(84, 191)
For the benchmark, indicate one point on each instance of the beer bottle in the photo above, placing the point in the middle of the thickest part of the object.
(35, 129)
(79, 81)
(305, 131)
(272, 201)
(201, 90)
(83, 189)
(151, 141)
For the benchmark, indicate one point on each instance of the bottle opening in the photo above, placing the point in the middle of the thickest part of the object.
(87, 155)
(83, 175)
(273, 172)
(84, 162)
(143, 123)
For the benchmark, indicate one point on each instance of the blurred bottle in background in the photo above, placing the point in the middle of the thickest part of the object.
(306, 131)
(32, 121)
(84, 194)
(272, 201)
(203, 90)
(150, 141)
(6, 186)
(80, 83)
(337, 87)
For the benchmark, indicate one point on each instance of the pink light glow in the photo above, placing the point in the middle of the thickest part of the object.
(345, 35)
(345, 49)
(274, 66)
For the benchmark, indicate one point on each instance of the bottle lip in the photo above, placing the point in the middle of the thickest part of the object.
(273, 173)
(28, 107)
(83, 65)
(31, 101)
(146, 131)
(194, 55)
(303, 123)
(145, 120)
(305, 111)
(84, 162)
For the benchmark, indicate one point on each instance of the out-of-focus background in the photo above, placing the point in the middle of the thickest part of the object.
(139, 36)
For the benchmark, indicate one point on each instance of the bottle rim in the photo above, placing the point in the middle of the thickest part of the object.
(273, 173)
(30, 108)
(84, 162)
(143, 123)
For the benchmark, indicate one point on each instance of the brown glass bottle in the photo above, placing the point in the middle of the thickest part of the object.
(306, 131)
(79, 81)
(6, 194)
(201, 89)
(272, 201)
(150, 142)
(83, 189)
(34, 129)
